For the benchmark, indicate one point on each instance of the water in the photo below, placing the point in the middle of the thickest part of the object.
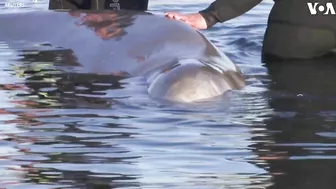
(71, 131)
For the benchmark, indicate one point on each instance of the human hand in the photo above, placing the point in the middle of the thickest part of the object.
(195, 20)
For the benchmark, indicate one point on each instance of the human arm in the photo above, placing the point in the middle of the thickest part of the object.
(218, 11)
(224, 10)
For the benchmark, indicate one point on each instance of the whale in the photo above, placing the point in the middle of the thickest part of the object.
(177, 61)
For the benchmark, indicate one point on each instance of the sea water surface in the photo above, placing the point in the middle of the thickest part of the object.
(70, 132)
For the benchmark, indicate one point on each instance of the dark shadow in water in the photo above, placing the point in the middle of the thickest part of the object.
(50, 89)
(303, 97)
(47, 88)
(64, 87)
(33, 121)
(80, 179)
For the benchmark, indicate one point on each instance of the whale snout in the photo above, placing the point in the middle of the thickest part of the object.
(191, 81)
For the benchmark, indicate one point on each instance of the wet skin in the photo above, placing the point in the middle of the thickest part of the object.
(177, 61)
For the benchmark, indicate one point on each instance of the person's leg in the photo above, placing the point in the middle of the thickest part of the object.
(138, 5)
(69, 4)
(302, 76)
(297, 42)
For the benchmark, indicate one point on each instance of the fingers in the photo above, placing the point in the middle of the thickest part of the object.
(181, 17)
(169, 14)
(178, 16)
(175, 15)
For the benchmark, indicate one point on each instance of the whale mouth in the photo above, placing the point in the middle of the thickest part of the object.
(188, 80)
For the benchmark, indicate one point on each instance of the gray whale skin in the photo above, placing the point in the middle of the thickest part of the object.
(178, 63)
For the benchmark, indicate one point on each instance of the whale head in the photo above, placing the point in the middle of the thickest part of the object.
(190, 80)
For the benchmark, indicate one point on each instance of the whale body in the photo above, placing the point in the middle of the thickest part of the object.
(177, 61)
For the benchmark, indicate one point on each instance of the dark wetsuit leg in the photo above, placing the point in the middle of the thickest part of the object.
(69, 4)
(293, 33)
(139, 5)
(303, 76)
(297, 42)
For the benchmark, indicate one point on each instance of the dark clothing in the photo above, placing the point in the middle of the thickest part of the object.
(224, 10)
(139, 5)
(292, 31)
(288, 41)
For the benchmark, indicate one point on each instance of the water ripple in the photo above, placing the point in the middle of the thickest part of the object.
(61, 130)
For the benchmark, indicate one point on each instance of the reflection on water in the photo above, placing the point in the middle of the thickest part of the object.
(74, 130)
(85, 131)
(106, 25)
(72, 135)
(303, 153)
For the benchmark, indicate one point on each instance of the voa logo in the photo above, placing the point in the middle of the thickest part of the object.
(325, 9)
